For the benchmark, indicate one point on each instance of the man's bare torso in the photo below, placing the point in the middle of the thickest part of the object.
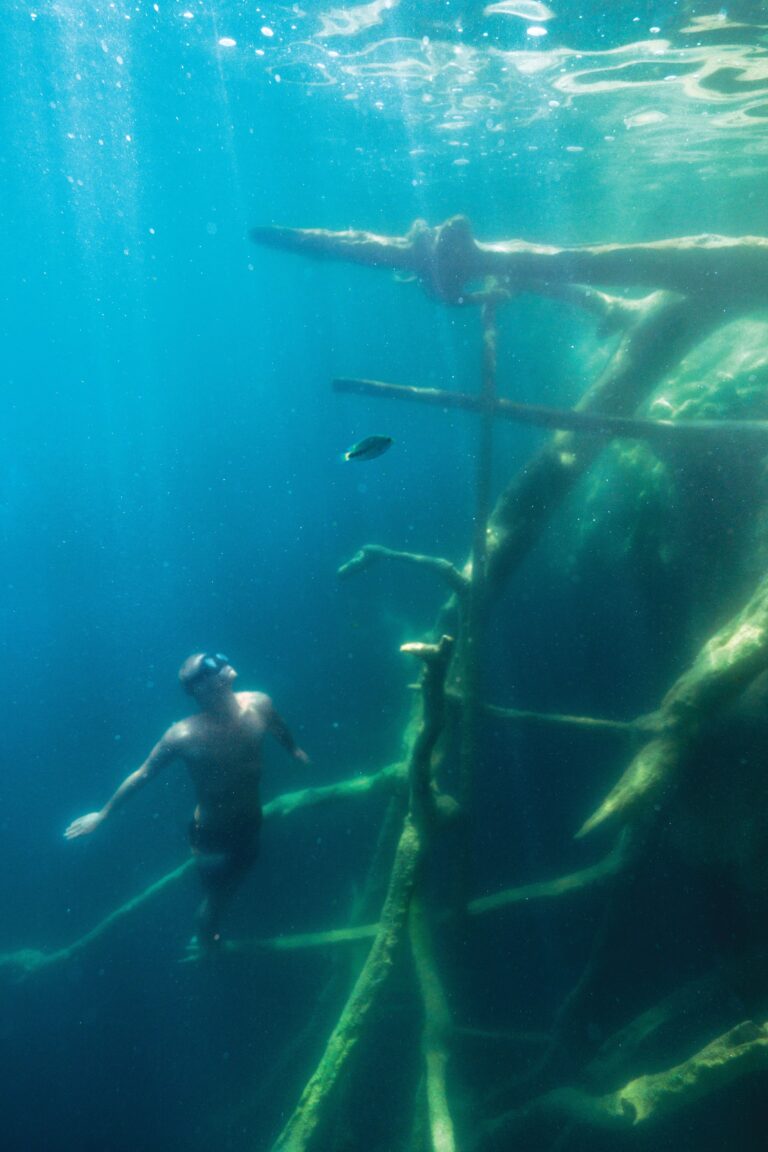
(223, 756)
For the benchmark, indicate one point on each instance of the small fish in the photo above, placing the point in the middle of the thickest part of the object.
(369, 448)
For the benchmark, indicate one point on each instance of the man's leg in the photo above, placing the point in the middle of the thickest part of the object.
(224, 857)
(220, 876)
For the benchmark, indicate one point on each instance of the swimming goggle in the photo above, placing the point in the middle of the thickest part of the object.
(209, 666)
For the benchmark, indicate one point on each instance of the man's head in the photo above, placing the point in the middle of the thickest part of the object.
(205, 675)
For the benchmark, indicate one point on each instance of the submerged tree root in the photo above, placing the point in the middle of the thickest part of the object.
(723, 668)
(735, 1054)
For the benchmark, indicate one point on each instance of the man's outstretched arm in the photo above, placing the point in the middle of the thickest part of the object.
(161, 755)
(282, 733)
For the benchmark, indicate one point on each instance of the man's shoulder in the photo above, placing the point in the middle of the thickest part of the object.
(254, 701)
(180, 732)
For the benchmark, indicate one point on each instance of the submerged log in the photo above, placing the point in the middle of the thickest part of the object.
(370, 553)
(556, 719)
(447, 260)
(587, 878)
(385, 780)
(678, 433)
(29, 961)
(437, 1030)
(305, 1128)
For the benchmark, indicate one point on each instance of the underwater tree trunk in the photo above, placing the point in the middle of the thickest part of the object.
(723, 668)
(305, 1125)
(305, 1128)
(438, 1027)
(664, 328)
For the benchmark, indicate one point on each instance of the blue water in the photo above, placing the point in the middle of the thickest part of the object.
(172, 481)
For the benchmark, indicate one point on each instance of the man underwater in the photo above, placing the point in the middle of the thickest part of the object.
(221, 747)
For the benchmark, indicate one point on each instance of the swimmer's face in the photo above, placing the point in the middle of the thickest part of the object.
(211, 688)
(205, 676)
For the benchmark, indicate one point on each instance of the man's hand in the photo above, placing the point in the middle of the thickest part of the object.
(300, 755)
(83, 825)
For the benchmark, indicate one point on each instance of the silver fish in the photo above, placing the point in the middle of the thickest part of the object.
(369, 448)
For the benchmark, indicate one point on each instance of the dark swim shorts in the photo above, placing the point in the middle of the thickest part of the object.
(232, 843)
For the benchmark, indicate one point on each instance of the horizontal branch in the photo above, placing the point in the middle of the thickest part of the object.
(590, 877)
(27, 961)
(290, 802)
(447, 259)
(677, 432)
(368, 248)
(544, 890)
(554, 719)
(370, 553)
(301, 941)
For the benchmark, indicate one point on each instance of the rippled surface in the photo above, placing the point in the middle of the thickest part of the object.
(695, 94)
(505, 89)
